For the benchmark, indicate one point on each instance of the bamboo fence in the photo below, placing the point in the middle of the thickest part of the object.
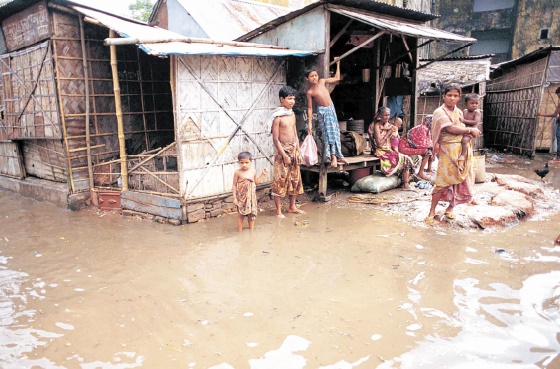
(512, 104)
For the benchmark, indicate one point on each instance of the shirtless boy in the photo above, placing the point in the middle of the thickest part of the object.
(471, 118)
(319, 93)
(287, 176)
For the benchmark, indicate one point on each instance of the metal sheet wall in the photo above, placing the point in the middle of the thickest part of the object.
(213, 94)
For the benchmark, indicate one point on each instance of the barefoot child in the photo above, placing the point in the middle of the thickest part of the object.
(471, 118)
(287, 176)
(319, 93)
(245, 183)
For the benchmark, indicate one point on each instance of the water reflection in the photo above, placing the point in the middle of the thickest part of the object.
(501, 328)
(18, 338)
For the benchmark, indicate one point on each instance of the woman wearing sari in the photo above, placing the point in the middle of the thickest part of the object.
(392, 162)
(452, 184)
(418, 141)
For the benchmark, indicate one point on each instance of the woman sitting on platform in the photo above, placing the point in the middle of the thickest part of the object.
(391, 162)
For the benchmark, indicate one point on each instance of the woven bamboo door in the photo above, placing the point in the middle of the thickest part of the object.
(215, 95)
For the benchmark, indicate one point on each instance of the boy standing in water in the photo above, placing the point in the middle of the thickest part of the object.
(325, 109)
(471, 118)
(245, 183)
(287, 176)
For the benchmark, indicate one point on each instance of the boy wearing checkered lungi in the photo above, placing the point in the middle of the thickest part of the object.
(319, 93)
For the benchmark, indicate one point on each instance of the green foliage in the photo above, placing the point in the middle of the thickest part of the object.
(141, 9)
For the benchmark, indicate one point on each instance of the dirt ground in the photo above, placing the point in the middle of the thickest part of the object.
(348, 285)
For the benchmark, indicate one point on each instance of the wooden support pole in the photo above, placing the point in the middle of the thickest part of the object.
(86, 82)
(118, 111)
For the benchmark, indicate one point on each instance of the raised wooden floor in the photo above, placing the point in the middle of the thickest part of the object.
(354, 162)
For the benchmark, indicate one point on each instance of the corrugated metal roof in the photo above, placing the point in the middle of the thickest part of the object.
(385, 8)
(229, 19)
(401, 27)
(144, 32)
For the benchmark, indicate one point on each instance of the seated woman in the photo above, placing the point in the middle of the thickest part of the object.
(418, 141)
(392, 162)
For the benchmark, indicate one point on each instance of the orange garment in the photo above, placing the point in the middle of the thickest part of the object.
(247, 197)
(287, 178)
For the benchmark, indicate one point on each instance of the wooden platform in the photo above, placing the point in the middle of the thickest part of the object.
(354, 162)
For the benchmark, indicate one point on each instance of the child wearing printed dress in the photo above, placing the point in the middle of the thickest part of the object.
(245, 183)
(471, 118)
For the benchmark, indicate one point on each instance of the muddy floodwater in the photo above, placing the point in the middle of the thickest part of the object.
(341, 288)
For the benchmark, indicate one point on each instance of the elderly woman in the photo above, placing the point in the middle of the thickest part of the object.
(418, 141)
(453, 184)
(381, 132)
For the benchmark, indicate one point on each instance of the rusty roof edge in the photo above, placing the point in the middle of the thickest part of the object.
(278, 21)
(533, 55)
(283, 19)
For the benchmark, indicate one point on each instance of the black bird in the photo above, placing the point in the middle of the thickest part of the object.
(542, 172)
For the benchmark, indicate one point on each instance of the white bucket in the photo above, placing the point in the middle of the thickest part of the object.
(479, 168)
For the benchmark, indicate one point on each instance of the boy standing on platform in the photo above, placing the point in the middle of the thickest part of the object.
(326, 112)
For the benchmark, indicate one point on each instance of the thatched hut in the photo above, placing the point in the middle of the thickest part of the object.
(518, 91)
(166, 119)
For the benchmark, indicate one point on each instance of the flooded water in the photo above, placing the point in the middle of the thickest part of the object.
(343, 288)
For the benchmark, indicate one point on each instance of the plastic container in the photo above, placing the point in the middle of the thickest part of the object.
(480, 168)
(358, 174)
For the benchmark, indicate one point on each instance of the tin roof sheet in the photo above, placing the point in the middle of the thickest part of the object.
(401, 27)
(139, 31)
(229, 19)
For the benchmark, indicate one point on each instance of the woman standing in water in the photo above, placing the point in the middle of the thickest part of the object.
(452, 184)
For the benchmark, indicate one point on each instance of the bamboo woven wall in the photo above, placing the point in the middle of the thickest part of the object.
(11, 164)
(214, 94)
(29, 94)
(45, 159)
(548, 105)
(145, 91)
(511, 106)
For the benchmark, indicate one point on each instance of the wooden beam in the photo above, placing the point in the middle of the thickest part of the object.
(340, 33)
(407, 48)
(357, 47)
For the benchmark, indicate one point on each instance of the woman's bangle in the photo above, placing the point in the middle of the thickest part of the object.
(469, 131)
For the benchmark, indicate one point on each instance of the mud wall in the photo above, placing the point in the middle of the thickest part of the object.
(526, 36)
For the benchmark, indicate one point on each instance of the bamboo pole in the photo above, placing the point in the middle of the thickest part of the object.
(112, 41)
(63, 117)
(86, 82)
(118, 111)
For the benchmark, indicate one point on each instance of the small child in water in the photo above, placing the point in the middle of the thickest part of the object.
(245, 183)
(471, 118)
